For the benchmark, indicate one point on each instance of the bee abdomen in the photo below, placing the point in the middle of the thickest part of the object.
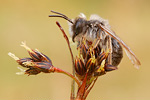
(117, 52)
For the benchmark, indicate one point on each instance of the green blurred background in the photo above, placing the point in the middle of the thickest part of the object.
(27, 20)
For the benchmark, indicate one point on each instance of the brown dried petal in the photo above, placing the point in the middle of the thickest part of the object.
(37, 56)
(97, 51)
(100, 58)
(32, 71)
(88, 55)
(79, 67)
(45, 58)
(92, 68)
(90, 65)
(83, 51)
(44, 66)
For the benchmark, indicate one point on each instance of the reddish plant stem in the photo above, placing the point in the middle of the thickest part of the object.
(81, 89)
(73, 70)
(58, 70)
(86, 94)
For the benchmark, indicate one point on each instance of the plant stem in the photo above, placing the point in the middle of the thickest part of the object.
(68, 74)
(90, 88)
(73, 70)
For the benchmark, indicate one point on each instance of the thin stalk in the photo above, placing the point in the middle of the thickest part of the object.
(58, 70)
(73, 70)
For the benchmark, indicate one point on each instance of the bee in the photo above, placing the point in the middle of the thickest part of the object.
(97, 31)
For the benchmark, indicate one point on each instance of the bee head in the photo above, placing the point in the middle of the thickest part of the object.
(78, 28)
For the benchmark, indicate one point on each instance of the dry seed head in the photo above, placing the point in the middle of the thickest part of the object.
(36, 64)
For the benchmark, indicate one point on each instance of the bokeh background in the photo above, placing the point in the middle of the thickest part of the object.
(27, 20)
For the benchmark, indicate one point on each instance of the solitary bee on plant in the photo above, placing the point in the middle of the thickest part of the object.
(97, 32)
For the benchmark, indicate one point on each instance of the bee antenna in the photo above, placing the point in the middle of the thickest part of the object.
(61, 16)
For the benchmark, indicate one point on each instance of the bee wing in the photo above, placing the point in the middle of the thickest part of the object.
(128, 51)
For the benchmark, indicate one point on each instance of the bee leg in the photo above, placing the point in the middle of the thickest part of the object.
(95, 43)
(97, 40)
